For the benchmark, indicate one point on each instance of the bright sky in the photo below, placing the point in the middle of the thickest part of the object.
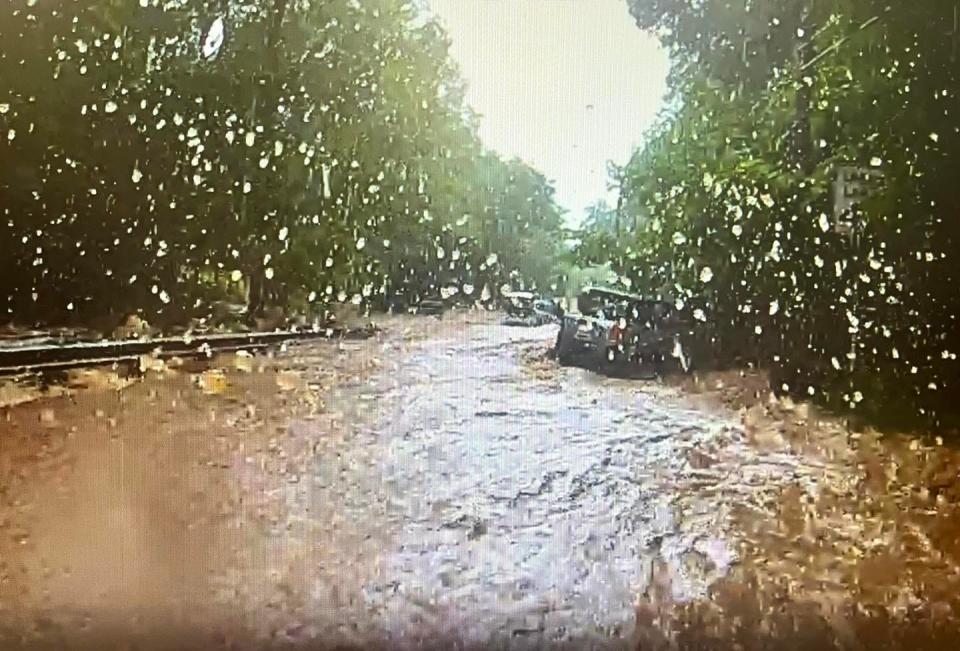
(565, 85)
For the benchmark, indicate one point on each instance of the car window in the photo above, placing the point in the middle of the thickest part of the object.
(281, 364)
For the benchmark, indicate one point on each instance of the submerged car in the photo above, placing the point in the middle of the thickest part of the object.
(617, 332)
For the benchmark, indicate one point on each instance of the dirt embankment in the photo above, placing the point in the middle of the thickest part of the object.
(858, 546)
(846, 537)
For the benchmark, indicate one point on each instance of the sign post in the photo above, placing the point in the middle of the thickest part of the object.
(853, 185)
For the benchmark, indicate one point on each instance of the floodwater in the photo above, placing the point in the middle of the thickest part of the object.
(444, 485)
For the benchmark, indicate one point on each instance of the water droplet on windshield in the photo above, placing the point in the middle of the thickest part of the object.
(213, 39)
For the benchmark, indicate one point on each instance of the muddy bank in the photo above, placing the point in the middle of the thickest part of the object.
(855, 547)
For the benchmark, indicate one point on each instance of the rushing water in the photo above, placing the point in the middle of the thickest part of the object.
(444, 483)
(530, 506)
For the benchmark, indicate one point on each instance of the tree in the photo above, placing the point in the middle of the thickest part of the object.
(307, 153)
(735, 193)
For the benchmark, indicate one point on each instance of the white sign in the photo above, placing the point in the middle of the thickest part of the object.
(852, 186)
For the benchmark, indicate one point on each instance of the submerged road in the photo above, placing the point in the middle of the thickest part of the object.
(445, 486)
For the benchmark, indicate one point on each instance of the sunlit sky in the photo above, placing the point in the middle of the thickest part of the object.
(565, 85)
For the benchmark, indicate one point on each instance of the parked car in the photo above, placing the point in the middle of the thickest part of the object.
(618, 333)
(548, 306)
(432, 305)
(518, 303)
(525, 309)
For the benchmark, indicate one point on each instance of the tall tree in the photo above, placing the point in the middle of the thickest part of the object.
(737, 192)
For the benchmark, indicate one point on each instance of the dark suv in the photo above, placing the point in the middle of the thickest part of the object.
(620, 333)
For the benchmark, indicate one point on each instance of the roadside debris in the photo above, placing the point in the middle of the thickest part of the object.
(14, 393)
(133, 327)
(212, 382)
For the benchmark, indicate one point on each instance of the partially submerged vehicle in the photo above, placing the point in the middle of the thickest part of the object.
(431, 305)
(525, 309)
(518, 303)
(619, 333)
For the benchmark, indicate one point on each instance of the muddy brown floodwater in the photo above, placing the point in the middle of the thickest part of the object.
(445, 485)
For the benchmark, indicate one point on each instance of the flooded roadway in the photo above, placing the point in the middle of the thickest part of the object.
(445, 485)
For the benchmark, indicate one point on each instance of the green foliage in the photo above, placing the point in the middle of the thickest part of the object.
(322, 153)
(734, 192)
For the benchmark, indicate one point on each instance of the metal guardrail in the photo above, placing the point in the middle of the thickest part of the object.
(20, 359)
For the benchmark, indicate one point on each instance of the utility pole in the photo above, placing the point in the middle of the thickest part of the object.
(618, 212)
(615, 172)
(956, 24)
(618, 176)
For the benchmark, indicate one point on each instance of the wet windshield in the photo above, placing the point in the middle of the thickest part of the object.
(379, 324)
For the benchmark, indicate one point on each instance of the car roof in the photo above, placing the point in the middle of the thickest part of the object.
(606, 291)
(635, 298)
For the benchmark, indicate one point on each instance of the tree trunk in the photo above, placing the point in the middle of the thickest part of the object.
(254, 294)
(801, 143)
